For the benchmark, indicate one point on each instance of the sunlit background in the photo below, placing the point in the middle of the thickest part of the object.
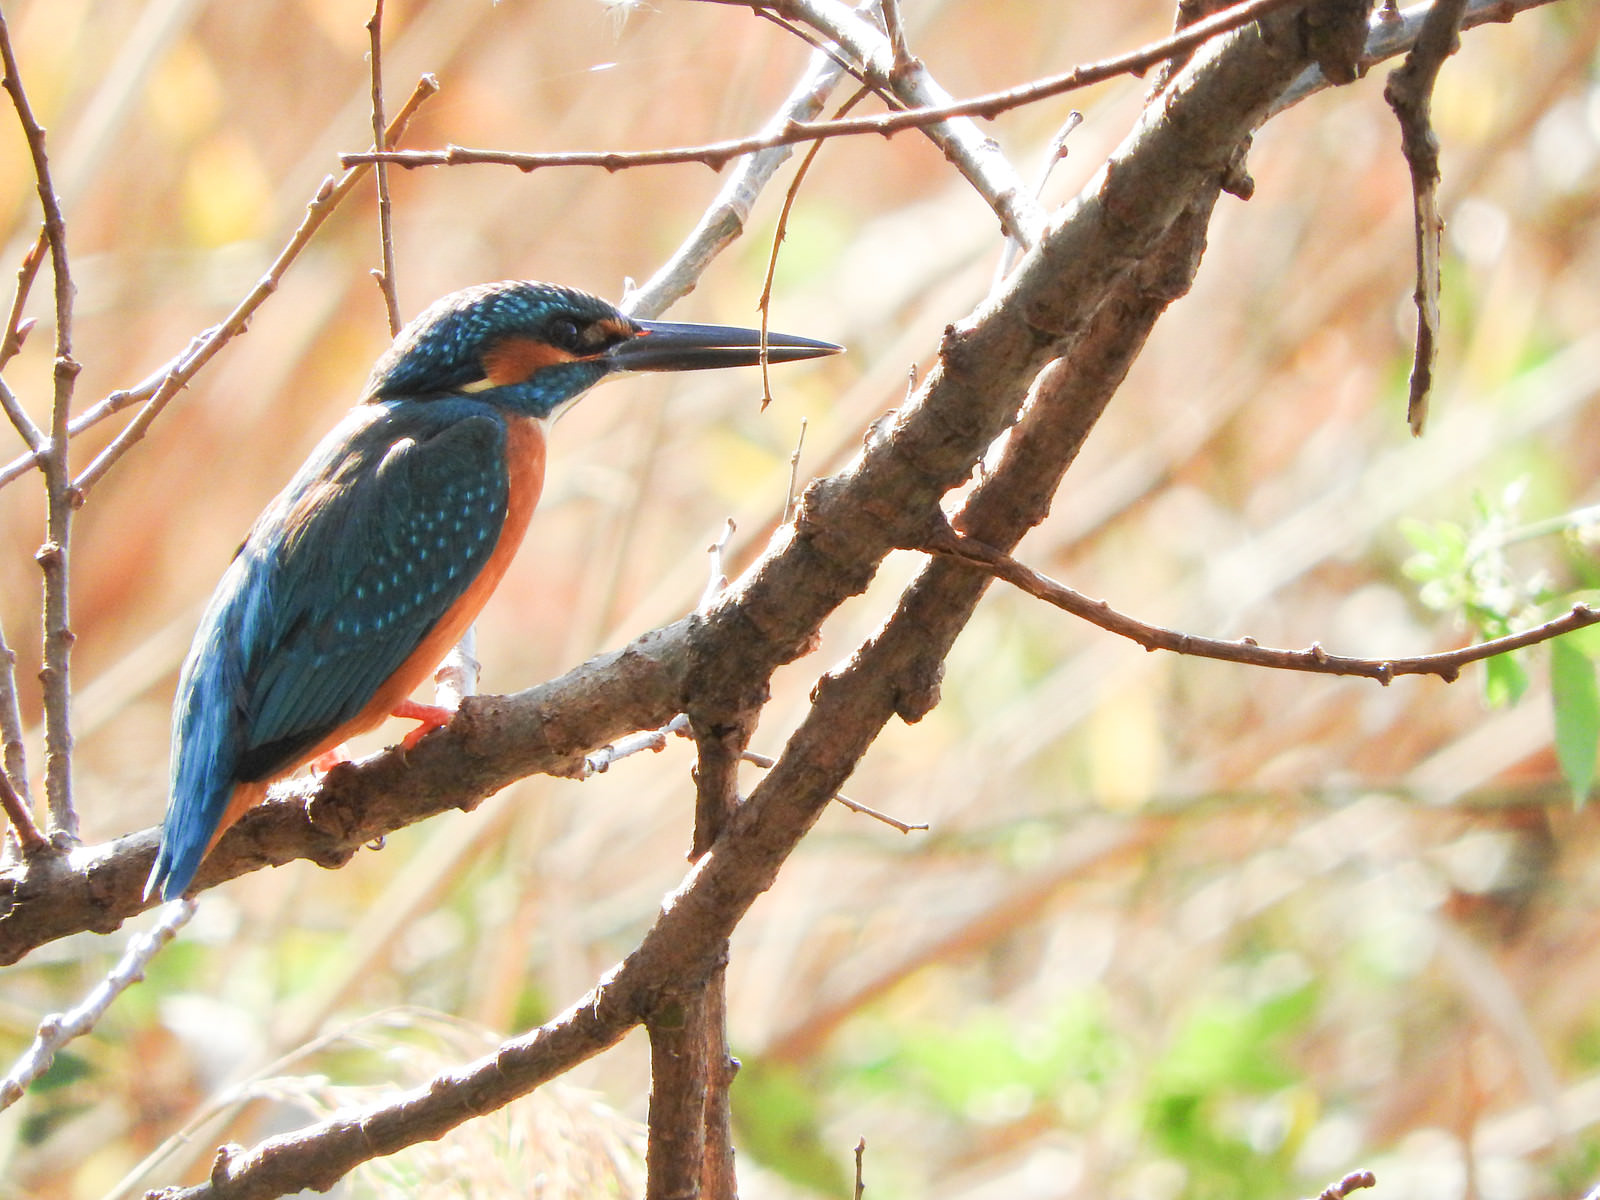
(1178, 928)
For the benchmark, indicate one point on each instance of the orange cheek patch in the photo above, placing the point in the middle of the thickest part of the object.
(515, 359)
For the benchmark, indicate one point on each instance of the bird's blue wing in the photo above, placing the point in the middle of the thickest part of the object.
(360, 572)
(337, 584)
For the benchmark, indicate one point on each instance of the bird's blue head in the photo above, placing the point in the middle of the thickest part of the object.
(534, 348)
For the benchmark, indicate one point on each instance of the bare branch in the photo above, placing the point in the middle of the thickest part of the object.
(56, 1030)
(895, 28)
(977, 157)
(1391, 34)
(158, 388)
(677, 1134)
(1382, 43)
(29, 839)
(380, 141)
(51, 455)
(13, 750)
(855, 806)
(779, 231)
(725, 219)
(990, 104)
(1409, 92)
(1354, 1182)
(16, 329)
(1315, 660)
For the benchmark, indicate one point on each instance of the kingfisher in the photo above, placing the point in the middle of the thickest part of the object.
(358, 578)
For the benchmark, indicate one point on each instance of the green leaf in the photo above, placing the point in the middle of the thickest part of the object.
(778, 1117)
(1576, 697)
(1504, 681)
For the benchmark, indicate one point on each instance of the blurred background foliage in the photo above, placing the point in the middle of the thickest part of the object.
(1178, 929)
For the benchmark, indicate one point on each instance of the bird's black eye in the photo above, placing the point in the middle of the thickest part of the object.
(565, 334)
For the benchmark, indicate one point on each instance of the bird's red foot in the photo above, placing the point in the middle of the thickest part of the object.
(430, 716)
(328, 760)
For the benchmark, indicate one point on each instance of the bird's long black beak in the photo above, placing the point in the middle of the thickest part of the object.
(674, 346)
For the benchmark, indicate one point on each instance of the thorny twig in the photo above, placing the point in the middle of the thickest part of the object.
(1054, 156)
(717, 580)
(16, 332)
(1447, 665)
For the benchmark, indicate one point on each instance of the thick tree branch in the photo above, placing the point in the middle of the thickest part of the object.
(887, 497)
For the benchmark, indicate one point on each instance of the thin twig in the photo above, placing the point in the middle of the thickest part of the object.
(163, 384)
(380, 141)
(855, 806)
(16, 330)
(1055, 155)
(861, 1154)
(896, 30)
(976, 156)
(13, 749)
(1353, 1182)
(656, 739)
(1446, 665)
(52, 458)
(457, 676)
(717, 154)
(1409, 91)
(717, 580)
(725, 219)
(599, 761)
(16, 810)
(779, 231)
(56, 1030)
(794, 474)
